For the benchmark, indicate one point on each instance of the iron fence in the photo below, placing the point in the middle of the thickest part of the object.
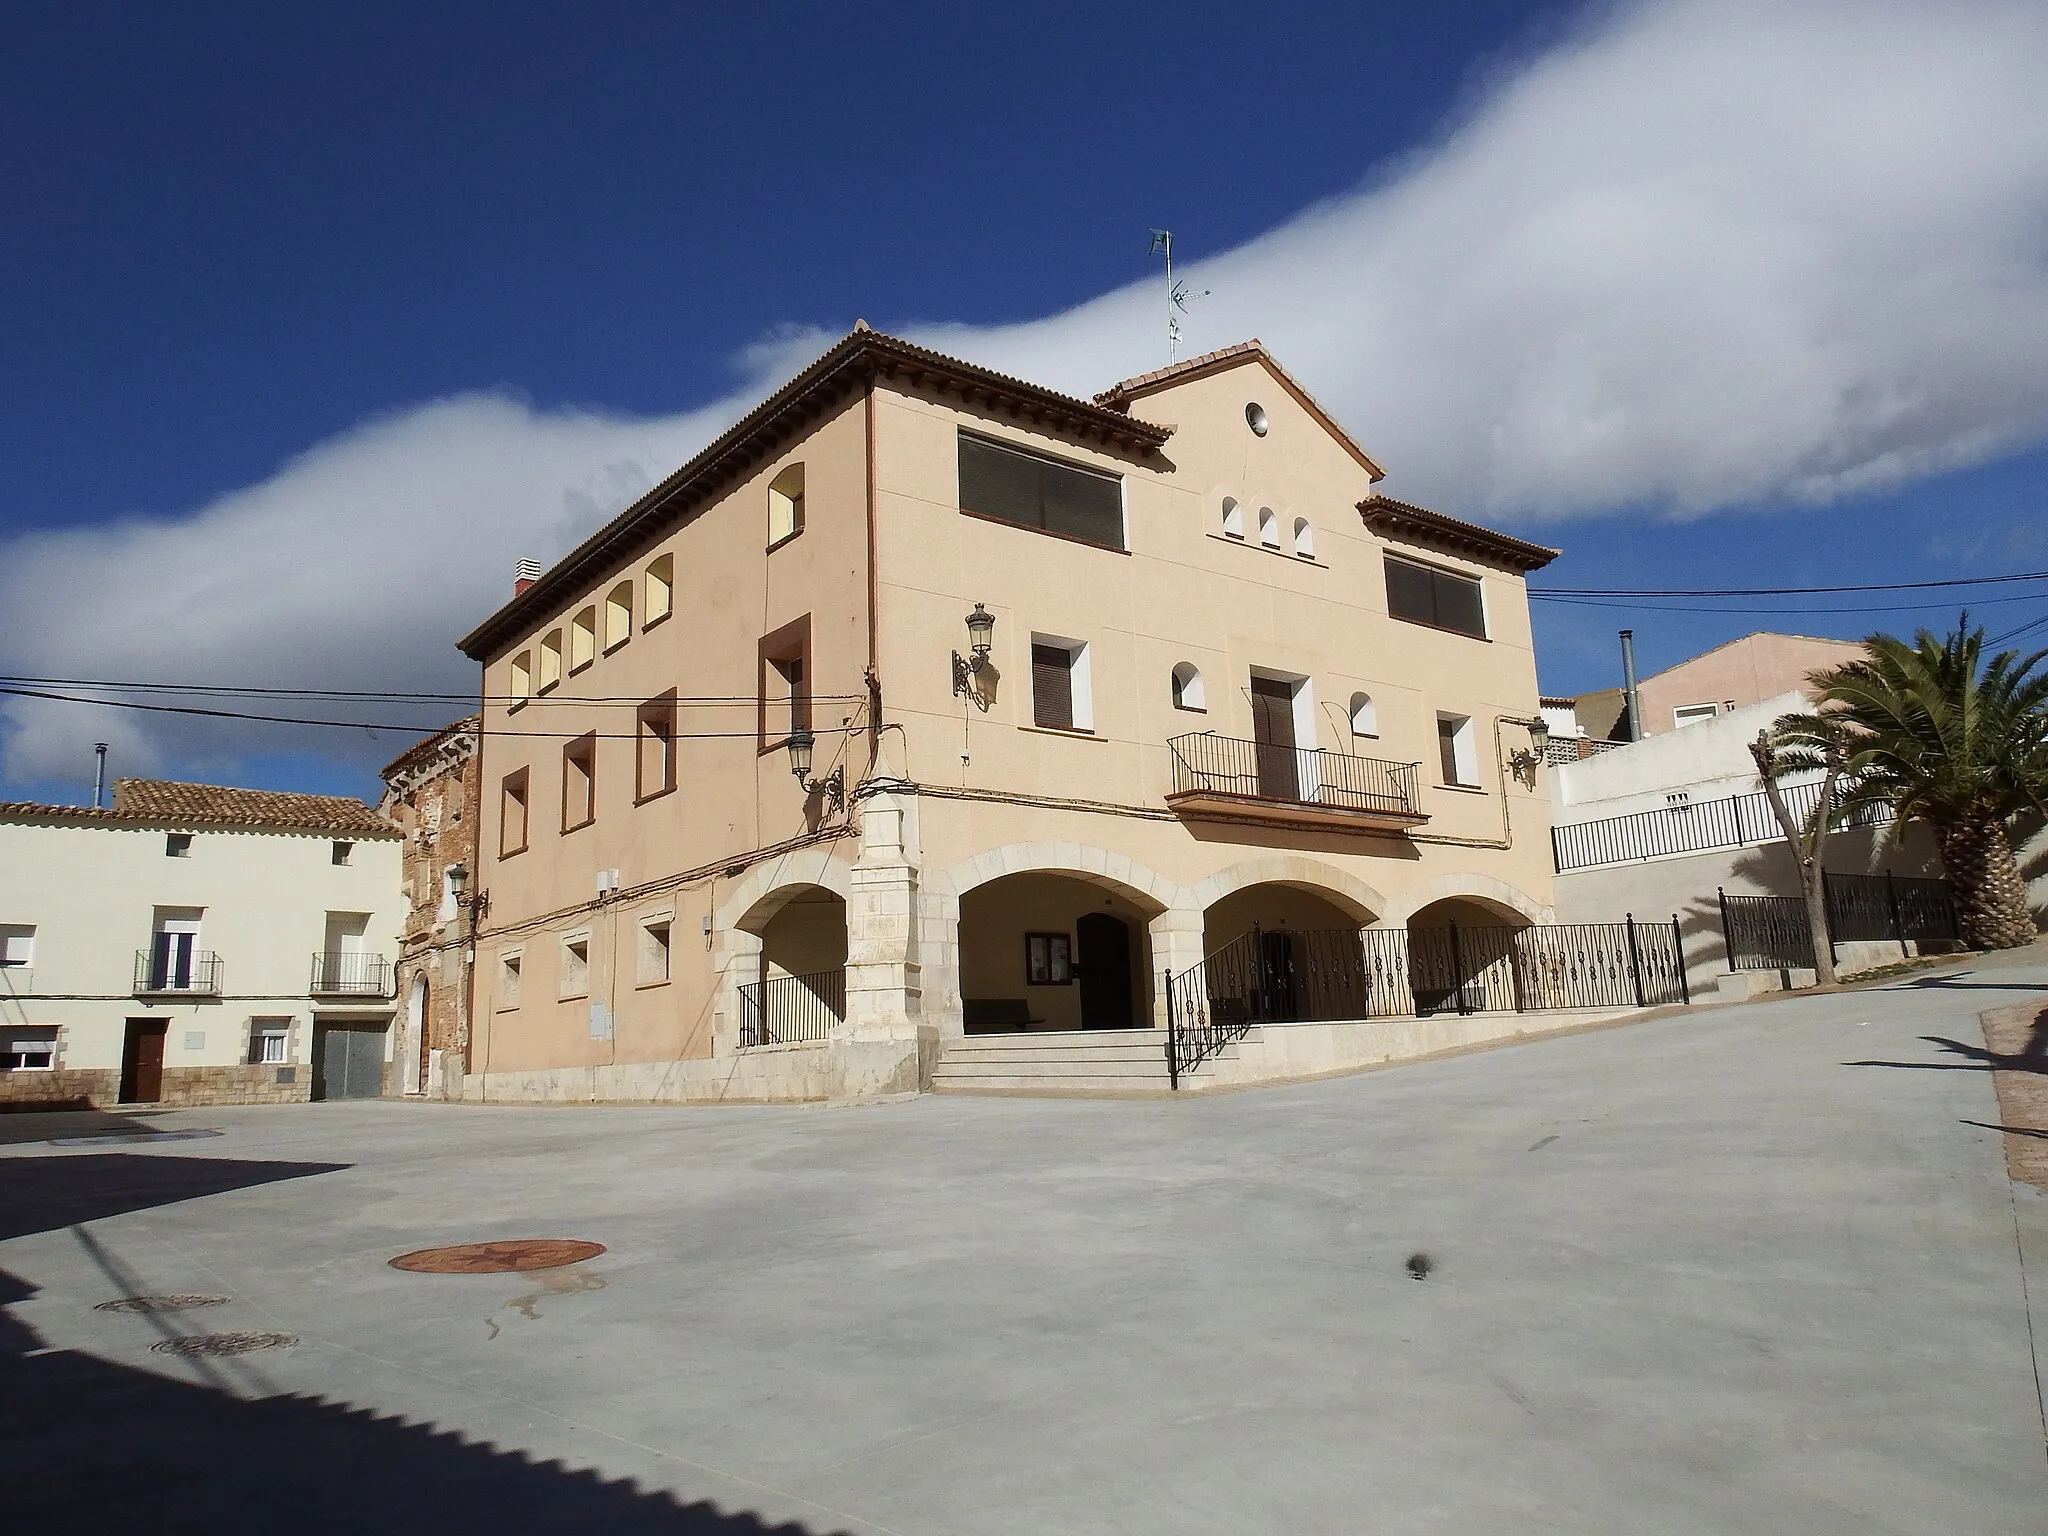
(1223, 765)
(1766, 933)
(171, 969)
(1770, 933)
(346, 972)
(1691, 827)
(786, 1010)
(1299, 976)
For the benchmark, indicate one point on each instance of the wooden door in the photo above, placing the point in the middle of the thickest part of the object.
(1105, 969)
(1273, 731)
(142, 1061)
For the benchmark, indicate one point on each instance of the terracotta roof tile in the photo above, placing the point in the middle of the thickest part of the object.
(1117, 392)
(1403, 520)
(219, 805)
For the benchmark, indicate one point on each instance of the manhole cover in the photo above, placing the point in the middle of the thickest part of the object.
(160, 1303)
(224, 1343)
(497, 1258)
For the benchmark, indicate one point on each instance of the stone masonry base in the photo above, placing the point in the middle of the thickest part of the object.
(183, 1087)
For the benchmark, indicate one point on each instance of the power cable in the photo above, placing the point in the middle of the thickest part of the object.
(1883, 586)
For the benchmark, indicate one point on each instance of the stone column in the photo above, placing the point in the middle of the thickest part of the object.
(737, 960)
(1176, 945)
(884, 979)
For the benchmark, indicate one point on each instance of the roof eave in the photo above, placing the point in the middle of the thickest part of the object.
(1418, 525)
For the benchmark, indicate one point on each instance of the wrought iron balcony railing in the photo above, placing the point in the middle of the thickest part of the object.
(1206, 765)
(351, 974)
(163, 970)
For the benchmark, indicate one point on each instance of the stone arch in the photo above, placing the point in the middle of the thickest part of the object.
(1146, 888)
(1346, 890)
(1514, 907)
(763, 890)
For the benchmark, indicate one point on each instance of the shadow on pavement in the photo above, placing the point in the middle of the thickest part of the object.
(46, 1122)
(2010, 1130)
(94, 1446)
(39, 1194)
(2032, 1057)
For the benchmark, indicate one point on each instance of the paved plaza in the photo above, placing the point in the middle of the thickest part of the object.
(1748, 1270)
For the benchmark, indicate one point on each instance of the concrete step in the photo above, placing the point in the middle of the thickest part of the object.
(1091, 1062)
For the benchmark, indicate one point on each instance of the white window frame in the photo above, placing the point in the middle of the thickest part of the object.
(14, 1035)
(19, 955)
(1464, 749)
(1693, 714)
(264, 1030)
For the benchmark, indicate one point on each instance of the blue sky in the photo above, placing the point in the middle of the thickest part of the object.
(281, 280)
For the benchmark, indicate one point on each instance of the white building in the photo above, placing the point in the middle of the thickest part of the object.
(196, 945)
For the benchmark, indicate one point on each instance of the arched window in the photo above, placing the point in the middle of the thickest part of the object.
(1233, 518)
(1187, 687)
(1304, 539)
(1269, 528)
(786, 505)
(521, 688)
(1365, 718)
(659, 600)
(583, 640)
(618, 616)
(550, 660)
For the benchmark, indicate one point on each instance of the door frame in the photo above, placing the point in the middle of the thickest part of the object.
(1086, 978)
(132, 1034)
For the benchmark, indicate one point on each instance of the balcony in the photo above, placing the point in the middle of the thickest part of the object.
(1217, 778)
(177, 973)
(350, 974)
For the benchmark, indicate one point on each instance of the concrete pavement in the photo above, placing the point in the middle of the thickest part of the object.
(1742, 1270)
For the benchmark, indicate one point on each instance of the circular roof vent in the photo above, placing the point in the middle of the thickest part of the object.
(1255, 418)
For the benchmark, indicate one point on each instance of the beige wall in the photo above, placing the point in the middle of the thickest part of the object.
(1742, 672)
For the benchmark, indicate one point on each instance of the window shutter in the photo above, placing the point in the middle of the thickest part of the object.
(1052, 686)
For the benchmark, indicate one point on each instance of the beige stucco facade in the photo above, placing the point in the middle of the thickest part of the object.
(613, 953)
(83, 896)
(1736, 675)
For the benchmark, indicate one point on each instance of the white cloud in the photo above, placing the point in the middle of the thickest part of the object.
(1697, 254)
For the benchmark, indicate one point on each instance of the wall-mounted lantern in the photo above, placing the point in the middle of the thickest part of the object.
(1524, 763)
(981, 629)
(833, 788)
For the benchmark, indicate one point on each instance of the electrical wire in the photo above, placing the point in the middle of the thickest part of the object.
(1883, 586)
(1656, 606)
(238, 690)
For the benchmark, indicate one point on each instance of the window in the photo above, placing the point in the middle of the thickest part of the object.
(1422, 594)
(1233, 518)
(1187, 687)
(1060, 684)
(1692, 714)
(1457, 750)
(509, 966)
(28, 1048)
(575, 965)
(175, 963)
(177, 845)
(512, 822)
(1269, 528)
(341, 853)
(1304, 539)
(583, 640)
(17, 944)
(1013, 486)
(1048, 960)
(784, 702)
(1365, 715)
(519, 687)
(786, 505)
(579, 782)
(269, 1042)
(653, 962)
(1678, 801)
(550, 660)
(655, 767)
(618, 616)
(658, 595)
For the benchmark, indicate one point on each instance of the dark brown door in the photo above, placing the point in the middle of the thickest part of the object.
(1105, 966)
(1273, 731)
(142, 1061)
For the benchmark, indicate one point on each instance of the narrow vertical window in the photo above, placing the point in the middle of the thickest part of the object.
(653, 962)
(658, 598)
(512, 822)
(579, 782)
(510, 967)
(1304, 539)
(519, 683)
(1060, 691)
(550, 660)
(583, 640)
(785, 684)
(1233, 518)
(655, 770)
(618, 616)
(1269, 528)
(1457, 751)
(1187, 687)
(575, 977)
(786, 505)
(1365, 715)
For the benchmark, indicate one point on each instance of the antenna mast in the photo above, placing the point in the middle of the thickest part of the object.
(1176, 293)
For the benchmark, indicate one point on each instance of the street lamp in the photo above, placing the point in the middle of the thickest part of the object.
(1525, 763)
(801, 745)
(981, 629)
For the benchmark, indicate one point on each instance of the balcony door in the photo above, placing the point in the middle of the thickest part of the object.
(172, 950)
(1273, 732)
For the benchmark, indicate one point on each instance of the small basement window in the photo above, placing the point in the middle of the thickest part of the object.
(1425, 594)
(1030, 490)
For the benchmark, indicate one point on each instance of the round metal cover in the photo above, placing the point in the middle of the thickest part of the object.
(160, 1303)
(516, 1253)
(223, 1343)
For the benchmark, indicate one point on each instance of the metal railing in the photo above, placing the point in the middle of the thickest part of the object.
(1224, 765)
(1299, 976)
(164, 971)
(786, 1010)
(1770, 933)
(1689, 827)
(350, 973)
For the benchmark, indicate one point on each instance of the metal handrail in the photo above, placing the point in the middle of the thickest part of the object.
(195, 971)
(1225, 765)
(351, 973)
(789, 1010)
(1734, 821)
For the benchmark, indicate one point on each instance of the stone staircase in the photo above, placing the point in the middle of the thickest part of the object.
(1102, 1061)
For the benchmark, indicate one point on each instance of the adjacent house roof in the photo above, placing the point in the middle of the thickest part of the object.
(468, 725)
(1119, 396)
(169, 803)
(1402, 520)
(852, 363)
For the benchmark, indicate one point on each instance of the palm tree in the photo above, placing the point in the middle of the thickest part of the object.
(1946, 738)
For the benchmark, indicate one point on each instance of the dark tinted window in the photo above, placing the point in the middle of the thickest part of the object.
(1426, 595)
(1032, 492)
(1052, 686)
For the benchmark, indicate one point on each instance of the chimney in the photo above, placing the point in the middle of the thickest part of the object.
(524, 576)
(99, 774)
(1628, 685)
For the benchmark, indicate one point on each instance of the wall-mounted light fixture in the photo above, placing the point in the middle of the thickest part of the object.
(1524, 763)
(833, 788)
(981, 629)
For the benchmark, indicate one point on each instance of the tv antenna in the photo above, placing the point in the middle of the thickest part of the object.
(1177, 294)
